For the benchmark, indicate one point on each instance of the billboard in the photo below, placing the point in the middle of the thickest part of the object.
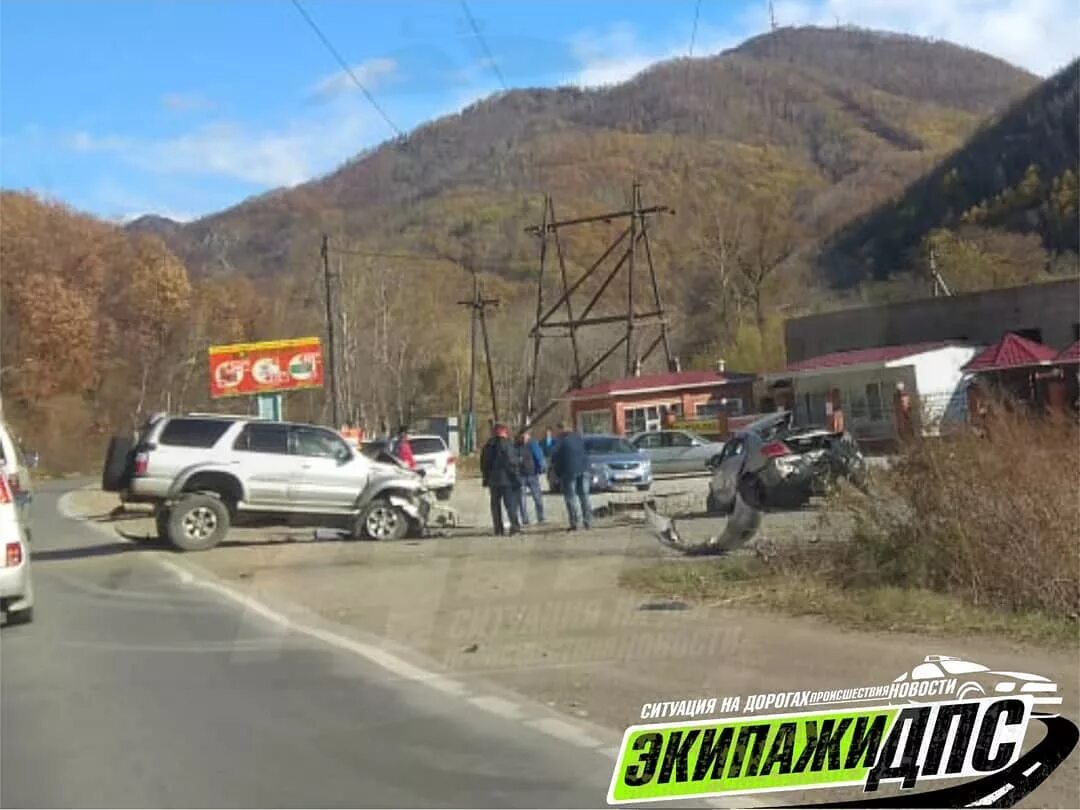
(245, 369)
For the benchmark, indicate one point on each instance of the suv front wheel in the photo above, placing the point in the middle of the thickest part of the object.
(197, 522)
(381, 520)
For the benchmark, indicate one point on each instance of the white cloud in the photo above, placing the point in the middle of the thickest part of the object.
(611, 57)
(266, 158)
(371, 74)
(1039, 35)
(618, 54)
(186, 102)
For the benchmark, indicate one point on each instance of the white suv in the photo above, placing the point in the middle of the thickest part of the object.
(438, 463)
(203, 471)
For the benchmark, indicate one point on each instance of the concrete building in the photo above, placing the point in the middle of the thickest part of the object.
(634, 404)
(862, 385)
(1045, 313)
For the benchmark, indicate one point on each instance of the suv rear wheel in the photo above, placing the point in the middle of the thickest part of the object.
(381, 520)
(197, 522)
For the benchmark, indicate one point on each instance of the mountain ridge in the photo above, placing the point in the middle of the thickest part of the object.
(833, 141)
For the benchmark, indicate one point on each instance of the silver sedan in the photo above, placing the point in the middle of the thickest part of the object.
(677, 451)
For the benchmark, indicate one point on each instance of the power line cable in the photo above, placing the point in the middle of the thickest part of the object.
(345, 66)
(693, 33)
(483, 44)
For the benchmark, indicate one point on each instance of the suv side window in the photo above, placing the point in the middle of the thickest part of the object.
(202, 433)
(263, 438)
(309, 441)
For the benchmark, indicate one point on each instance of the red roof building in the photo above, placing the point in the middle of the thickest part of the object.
(1011, 352)
(1070, 354)
(633, 404)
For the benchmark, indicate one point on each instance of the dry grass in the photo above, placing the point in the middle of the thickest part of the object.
(740, 582)
(974, 533)
(991, 519)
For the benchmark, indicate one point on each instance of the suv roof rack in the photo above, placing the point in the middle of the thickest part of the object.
(228, 416)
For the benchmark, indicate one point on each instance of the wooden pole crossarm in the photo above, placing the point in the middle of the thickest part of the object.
(602, 319)
(553, 226)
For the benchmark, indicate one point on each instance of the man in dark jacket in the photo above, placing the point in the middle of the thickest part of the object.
(532, 466)
(571, 465)
(500, 470)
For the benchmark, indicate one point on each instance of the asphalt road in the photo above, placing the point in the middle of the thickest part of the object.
(133, 689)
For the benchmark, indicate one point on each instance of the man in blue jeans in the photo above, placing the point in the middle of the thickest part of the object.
(571, 465)
(532, 466)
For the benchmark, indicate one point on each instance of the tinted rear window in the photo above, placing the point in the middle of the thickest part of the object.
(263, 438)
(192, 432)
(425, 446)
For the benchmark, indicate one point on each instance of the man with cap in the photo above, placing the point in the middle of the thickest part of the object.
(500, 472)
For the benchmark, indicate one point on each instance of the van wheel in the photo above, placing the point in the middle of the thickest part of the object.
(24, 616)
(198, 522)
(381, 520)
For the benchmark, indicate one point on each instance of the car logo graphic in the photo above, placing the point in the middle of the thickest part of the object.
(976, 681)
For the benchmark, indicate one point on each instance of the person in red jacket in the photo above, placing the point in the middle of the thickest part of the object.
(403, 450)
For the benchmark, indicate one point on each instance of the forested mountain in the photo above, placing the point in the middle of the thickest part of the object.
(835, 121)
(764, 152)
(1017, 174)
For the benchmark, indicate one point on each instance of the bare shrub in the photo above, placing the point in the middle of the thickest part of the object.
(989, 516)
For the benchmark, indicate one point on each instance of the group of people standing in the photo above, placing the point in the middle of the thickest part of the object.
(510, 469)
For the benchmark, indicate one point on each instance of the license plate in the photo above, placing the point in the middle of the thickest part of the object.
(624, 476)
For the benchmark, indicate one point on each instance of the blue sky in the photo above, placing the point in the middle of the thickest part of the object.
(184, 107)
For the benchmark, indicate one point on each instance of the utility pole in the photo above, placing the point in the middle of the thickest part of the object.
(939, 282)
(772, 15)
(478, 314)
(331, 335)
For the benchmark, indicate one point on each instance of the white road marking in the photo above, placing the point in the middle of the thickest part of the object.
(552, 726)
(990, 798)
(496, 705)
(1032, 769)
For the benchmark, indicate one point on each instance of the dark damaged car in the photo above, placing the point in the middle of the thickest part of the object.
(774, 463)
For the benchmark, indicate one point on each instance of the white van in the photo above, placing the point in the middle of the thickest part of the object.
(16, 586)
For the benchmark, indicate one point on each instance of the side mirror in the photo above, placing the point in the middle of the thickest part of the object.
(343, 455)
(32, 459)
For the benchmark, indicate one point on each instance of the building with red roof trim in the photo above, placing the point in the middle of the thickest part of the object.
(1070, 354)
(632, 404)
(871, 386)
(1011, 352)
